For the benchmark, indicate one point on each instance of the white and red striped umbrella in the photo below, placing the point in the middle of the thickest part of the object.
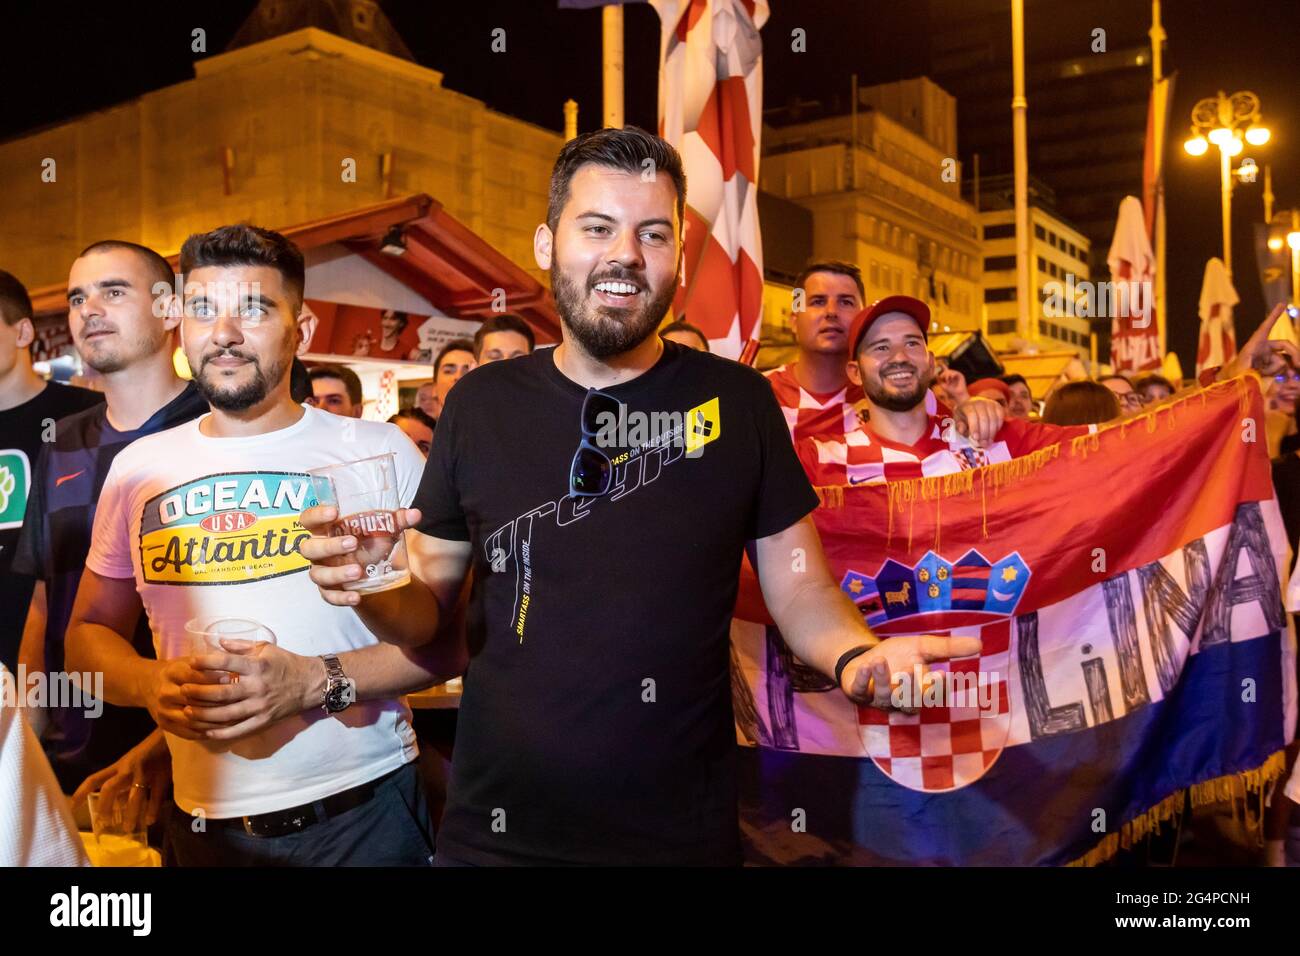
(1218, 340)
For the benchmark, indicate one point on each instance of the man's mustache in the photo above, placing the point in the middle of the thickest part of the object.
(229, 353)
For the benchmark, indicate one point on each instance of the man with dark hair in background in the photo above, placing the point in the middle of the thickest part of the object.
(336, 389)
(455, 360)
(814, 390)
(119, 314)
(29, 409)
(1021, 404)
(503, 336)
(417, 426)
(307, 757)
(683, 333)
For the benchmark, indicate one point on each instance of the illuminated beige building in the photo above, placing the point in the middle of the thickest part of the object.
(883, 187)
(1058, 264)
(348, 126)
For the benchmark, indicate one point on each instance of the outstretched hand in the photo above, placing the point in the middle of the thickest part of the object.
(873, 678)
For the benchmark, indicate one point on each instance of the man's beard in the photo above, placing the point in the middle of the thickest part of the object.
(242, 397)
(895, 401)
(600, 334)
(115, 360)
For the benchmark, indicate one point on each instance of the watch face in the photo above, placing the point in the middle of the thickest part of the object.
(341, 694)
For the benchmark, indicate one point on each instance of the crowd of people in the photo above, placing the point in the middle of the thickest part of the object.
(584, 589)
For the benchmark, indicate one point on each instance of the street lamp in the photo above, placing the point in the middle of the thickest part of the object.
(1226, 121)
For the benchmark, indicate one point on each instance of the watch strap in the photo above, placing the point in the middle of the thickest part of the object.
(843, 662)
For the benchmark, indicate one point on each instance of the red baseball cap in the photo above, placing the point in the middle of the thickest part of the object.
(989, 385)
(918, 310)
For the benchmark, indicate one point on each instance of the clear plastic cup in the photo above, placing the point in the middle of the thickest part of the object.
(117, 844)
(365, 494)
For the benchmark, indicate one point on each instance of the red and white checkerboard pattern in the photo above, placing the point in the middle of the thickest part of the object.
(711, 109)
(805, 416)
(946, 748)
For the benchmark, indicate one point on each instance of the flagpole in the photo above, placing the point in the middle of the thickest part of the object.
(1025, 325)
(1157, 74)
(612, 44)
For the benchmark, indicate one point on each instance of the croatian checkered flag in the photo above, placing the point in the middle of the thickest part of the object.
(710, 108)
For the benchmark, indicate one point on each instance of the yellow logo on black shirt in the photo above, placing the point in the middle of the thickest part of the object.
(703, 425)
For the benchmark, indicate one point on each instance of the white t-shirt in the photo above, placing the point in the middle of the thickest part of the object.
(157, 522)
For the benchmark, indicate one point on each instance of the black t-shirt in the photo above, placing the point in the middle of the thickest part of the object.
(23, 430)
(55, 541)
(596, 724)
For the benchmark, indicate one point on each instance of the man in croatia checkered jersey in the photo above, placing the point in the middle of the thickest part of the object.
(903, 435)
(814, 391)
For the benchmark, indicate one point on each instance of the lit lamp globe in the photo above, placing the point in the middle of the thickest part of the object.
(1275, 243)
(1257, 135)
(1233, 147)
(1196, 146)
(1220, 136)
(1293, 240)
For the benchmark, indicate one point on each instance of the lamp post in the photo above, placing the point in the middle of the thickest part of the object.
(1226, 121)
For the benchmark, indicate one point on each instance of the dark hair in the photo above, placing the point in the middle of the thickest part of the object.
(1081, 403)
(403, 318)
(344, 375)
(245, 245)
(624, 149)
(416, 414)
(299, 381)
(1014, 379)
(505, 322)
(681, 325)
(159, 269)
(837, 266)
(15, 303)
(455, 345)
(1146, 380)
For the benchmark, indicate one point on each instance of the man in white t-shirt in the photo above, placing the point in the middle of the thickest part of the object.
(293, 752)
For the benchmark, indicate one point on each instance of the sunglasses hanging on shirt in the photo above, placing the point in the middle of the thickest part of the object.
(591, 471)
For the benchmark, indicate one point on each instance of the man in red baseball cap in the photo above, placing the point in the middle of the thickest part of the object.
(902, 438)
(993, 389)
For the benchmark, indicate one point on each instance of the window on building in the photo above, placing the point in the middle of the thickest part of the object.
(1003, 231)
(1004, 294)
(1002, 326)
(1040, 233)
(875, 274)
(1042, 264)
(999, 263)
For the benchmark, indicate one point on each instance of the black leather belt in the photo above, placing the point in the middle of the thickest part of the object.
(296, 819)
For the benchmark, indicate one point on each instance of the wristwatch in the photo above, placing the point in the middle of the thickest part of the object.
(340, 690)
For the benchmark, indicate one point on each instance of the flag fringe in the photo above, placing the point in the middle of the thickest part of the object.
(1235, 788)
(906, 492)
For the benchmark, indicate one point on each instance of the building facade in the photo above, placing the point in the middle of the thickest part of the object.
(1059, 276)
(884, 189)
(349, 126)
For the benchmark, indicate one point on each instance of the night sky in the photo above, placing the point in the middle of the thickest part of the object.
(58, 60)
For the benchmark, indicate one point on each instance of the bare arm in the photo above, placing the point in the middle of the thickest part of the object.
(820, 623)
(107, 610)
(31, 652)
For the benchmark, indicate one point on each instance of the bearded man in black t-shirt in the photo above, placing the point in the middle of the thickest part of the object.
(603, 493)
